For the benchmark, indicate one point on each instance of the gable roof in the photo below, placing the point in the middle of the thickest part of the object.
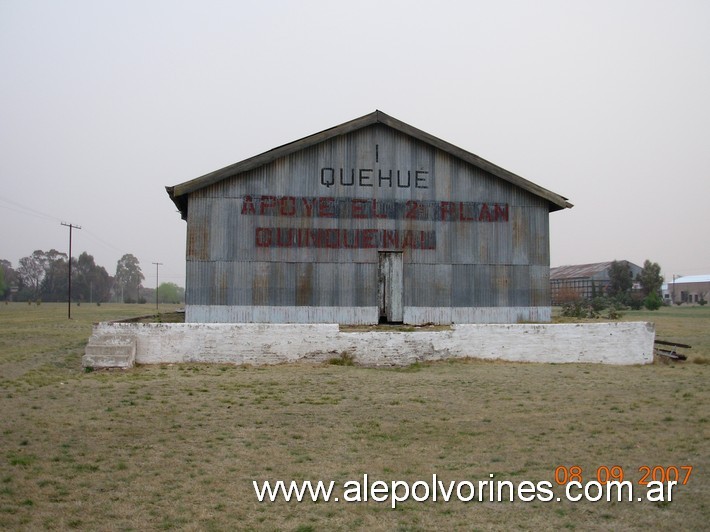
(179, 193)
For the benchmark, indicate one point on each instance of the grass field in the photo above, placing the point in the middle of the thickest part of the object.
(177, 447)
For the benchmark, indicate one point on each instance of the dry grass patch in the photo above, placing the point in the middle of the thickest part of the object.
(177, 447)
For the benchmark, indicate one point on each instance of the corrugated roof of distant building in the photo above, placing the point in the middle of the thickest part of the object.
(577, 271)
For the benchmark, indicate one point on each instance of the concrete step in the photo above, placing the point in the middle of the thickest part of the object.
(110, 351)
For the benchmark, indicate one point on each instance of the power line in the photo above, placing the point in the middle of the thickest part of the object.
(20, 208)
(30, 212)
(27, 211)
(105, 243)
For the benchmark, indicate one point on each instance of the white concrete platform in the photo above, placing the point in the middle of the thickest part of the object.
(623, 343)
(110, 350)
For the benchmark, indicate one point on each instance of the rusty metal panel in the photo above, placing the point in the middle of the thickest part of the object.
(305, 230)
(539, 290)
(428, 285)
(198, 230)
(282, 284)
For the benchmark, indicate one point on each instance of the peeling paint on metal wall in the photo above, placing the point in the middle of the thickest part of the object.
(473, 262)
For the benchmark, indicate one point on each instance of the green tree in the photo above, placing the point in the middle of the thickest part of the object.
(10, 278)
(650, 278)
(170, 293)
(56, 276)
(620, 280)
(93, 283)
(31, 271)
(652, 301)
(129, 277)
(43, 275)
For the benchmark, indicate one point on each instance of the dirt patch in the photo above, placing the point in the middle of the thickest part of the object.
(165, 317)
(393, 328)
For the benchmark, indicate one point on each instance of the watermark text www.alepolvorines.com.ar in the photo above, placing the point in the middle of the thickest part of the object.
(398, 491)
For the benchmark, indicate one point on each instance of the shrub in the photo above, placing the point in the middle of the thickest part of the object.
(345, 359)
(579, 309)
(652, 301)
(599, 303)
(635, 302)
(613, 313)
(567, 294)
(572, 310)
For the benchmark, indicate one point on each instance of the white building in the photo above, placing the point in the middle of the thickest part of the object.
(689, 289)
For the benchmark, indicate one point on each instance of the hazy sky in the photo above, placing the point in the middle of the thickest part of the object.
(104, 103)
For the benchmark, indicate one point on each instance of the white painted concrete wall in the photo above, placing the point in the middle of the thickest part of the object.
(260, 344)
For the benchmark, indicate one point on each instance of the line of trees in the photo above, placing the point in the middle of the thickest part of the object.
(44, 276)
(620, 293)
(621, 284)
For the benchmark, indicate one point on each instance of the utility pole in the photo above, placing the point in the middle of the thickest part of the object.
(157, 284)
(70, 226)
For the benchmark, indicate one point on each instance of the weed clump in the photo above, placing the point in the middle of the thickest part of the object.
(345, 359)
(592, 309)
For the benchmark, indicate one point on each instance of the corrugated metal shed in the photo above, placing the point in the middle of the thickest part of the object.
(583, 280)
(319, 229)
(597, 270)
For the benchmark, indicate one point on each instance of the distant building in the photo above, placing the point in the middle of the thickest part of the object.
(584, 281)
(689, 289)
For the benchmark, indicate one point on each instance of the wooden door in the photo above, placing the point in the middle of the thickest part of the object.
(390, 287)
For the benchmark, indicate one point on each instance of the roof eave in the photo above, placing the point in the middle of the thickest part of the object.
(179, 201)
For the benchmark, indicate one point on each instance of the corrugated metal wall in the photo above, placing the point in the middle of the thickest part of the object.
(289, 234)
